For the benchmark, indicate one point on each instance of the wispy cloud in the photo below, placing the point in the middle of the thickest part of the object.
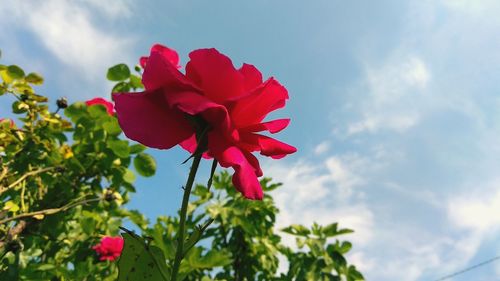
(72, 33)
(477, 212)
(322, 148)
(393, 90)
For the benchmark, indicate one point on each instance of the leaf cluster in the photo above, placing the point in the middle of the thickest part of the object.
(64, 178)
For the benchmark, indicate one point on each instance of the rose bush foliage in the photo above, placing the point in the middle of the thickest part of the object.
(63, 180)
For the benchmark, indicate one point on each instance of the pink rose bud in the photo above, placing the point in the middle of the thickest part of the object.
(109, 105)
(110, 248)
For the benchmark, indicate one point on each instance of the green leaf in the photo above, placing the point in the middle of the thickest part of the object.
(11, 206)
(330, 230)
(75, 164)
(297, 229)
(46, 266)
(129, 176)
(345, 247)
(15, 72)
(97, 110)
(195, 259)
(119, 147)
(118, 72)
(145, 164)
(137, 148)
(121, 87)
(112, 127)
(135, 82)
(140, 261)
(34, 78)
(19, 107)
(39, 98)
(75, 111)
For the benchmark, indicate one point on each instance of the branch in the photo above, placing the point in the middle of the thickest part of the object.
(49, 211)
(3, 173)
(13, 232)
(23, 177)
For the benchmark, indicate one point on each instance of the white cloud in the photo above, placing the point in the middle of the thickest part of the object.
(72, 33)
(341, 188)
(394, 89)
(474, 7)
(477, 213)
(322, 148)
(114, 9)
(321, 193)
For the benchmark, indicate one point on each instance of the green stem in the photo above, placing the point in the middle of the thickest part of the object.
(182, 222)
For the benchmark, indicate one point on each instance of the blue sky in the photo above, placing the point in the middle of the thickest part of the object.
(394, 108)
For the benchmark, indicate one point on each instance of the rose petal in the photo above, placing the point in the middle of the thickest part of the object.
(266, 145)
(160, 72)
(143, 61)
(253, 108)
(169, 55)
(146, 117)
(273, 126)
(252, 77)
(215, 74)
(190, 145)
(193, 103)
(244, 177)
(254, 162)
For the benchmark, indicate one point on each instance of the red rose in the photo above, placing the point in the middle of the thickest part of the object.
(232, 101)
(10, 120)
(110, 248)
(109, 105)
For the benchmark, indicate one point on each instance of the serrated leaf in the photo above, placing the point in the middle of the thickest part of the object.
(140, 261)
(145, 164)
(118, 72)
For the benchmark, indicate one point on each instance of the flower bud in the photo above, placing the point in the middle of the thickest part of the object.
(62, 103)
